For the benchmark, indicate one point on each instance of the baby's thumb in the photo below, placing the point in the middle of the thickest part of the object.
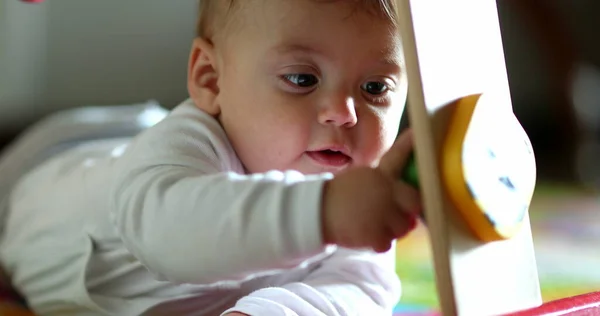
(393, 162)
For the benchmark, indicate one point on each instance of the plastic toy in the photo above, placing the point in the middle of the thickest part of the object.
(483, 171)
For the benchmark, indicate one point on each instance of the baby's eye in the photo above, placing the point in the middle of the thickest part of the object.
(375, 87)
(302, 80)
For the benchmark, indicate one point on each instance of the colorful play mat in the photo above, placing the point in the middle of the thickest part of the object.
(566, 231)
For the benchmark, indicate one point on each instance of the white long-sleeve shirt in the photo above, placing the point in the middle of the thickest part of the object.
(168, 223)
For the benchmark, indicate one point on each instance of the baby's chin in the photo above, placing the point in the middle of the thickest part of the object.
(308, 166)
(305, 170)
(310, 169)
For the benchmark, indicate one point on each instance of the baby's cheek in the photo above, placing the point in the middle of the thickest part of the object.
(372, 150)
(283, 144)
(380, 140)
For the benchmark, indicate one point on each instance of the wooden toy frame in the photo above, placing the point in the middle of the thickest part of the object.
(453, 49)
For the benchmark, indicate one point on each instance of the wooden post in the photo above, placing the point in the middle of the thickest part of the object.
(453, 49)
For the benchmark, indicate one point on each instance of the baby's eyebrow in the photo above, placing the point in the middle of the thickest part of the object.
(395, 64)
(287, 48)
(388, 59)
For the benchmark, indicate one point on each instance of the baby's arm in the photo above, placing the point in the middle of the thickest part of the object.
(348, 283)
(193, 228)
(188, 221)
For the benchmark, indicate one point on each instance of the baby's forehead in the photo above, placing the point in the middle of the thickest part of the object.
(310, 30)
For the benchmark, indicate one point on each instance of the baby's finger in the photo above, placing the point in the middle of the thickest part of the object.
(402, 223)
(396, 158)
(384, 245)
(408, 199)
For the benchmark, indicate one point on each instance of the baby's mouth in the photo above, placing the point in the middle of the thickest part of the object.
(329, 158)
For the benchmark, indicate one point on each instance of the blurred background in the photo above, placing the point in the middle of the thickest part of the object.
(61, 54)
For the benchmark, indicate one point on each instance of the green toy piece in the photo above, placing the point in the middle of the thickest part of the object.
(410, 174)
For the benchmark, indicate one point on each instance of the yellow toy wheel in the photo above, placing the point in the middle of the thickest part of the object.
(488, 168)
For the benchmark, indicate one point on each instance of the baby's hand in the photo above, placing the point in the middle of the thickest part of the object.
(371, 207)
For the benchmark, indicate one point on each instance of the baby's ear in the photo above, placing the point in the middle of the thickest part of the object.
(203, 76)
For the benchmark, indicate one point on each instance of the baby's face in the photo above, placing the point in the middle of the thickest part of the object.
(310, 86)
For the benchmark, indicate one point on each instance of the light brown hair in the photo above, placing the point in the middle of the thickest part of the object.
(213, 13)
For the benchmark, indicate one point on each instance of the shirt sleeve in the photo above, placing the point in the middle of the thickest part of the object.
(188, 219)
(348, 283)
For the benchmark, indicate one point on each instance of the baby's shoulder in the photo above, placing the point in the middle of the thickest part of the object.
(187, 121)
(186, 136)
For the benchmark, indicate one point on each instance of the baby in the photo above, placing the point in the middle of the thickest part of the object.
(273, 190)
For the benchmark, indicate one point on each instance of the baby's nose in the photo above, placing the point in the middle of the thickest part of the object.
(340, 113)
